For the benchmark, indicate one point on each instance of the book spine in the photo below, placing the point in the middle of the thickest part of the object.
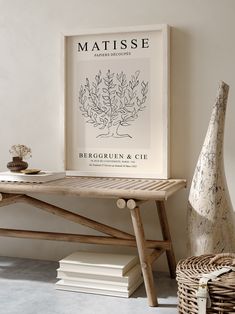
(62, 286)
(122, 281)
(96, 285)
(91, 269)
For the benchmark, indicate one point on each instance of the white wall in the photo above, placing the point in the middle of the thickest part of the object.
(202, 53)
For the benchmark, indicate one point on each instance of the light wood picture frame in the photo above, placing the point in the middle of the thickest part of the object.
(116, 102)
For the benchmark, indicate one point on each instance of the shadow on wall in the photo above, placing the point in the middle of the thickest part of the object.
(189, 122)
(180, 124)
(181, 95)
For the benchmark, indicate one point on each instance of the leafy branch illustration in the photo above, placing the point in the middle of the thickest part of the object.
(112, 102)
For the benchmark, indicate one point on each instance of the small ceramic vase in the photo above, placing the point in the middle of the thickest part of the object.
(17, 164)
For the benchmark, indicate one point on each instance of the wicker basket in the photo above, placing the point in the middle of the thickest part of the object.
(221, 291)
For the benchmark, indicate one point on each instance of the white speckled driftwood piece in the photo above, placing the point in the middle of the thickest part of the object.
(210, 223)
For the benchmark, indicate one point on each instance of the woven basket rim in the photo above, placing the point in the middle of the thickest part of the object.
(221, 291)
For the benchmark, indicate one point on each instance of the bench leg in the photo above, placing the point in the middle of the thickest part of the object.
(166, 236)
(144, 260)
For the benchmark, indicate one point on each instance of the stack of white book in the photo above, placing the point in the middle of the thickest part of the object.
(100, 273)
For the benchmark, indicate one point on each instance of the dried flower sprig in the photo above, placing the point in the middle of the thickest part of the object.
(21, 151)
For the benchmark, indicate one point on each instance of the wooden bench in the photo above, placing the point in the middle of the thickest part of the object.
(129, 193)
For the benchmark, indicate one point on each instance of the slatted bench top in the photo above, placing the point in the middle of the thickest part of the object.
(100, 187)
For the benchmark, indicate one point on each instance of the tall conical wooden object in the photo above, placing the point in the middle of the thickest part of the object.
(210, 214)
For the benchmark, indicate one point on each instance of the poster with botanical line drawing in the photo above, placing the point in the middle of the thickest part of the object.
(116, 121)
(115, 103)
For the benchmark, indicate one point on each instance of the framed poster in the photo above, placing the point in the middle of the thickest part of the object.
(117, 103)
